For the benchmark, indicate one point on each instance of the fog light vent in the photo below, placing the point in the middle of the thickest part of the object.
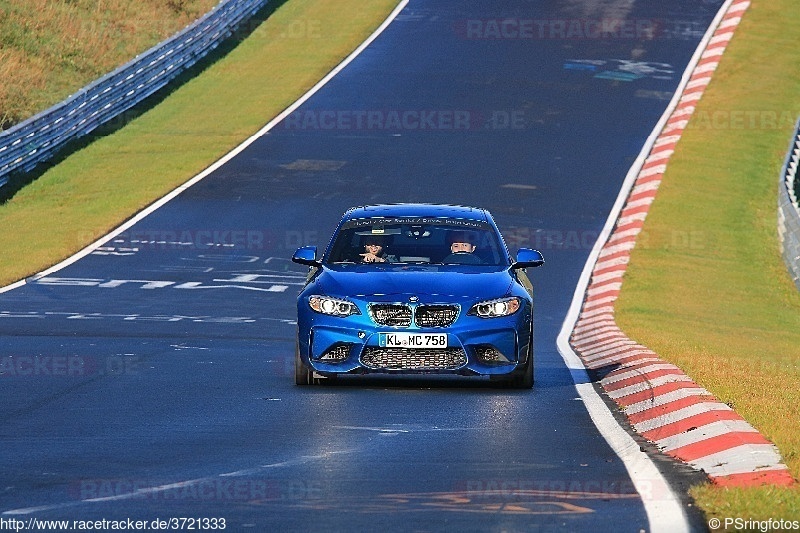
(336, 354)
(489, 354)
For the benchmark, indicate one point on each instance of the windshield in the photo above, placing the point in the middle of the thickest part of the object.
(418, 241)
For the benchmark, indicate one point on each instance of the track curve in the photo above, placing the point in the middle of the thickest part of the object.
(153, 377)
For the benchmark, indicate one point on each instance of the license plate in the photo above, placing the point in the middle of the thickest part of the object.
(413, 340)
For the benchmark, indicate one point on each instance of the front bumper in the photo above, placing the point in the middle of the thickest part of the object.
(475, 346)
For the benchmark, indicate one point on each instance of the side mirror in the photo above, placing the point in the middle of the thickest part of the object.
(528, 258)
(306, 255)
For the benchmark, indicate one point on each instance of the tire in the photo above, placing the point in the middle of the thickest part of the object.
(522, 378)
(304, 375)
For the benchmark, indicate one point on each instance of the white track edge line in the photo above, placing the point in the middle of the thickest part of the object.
(220, 162)
(665, 514)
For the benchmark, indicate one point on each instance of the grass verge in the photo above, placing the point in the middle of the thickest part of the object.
(707, 288)
(50, 49)
(113, 176)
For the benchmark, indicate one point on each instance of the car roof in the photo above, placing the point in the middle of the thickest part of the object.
(418, 210)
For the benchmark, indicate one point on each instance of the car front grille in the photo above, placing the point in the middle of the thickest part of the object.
(397, 315)
(425, 316)
(435, 316)
(413, 359)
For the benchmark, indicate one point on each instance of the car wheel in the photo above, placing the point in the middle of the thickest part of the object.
(522, 378)
(304, 375)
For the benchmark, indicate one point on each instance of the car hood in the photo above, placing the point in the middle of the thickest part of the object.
(421, 281)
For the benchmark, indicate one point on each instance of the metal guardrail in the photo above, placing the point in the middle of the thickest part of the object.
(789, 210)
(37, 139)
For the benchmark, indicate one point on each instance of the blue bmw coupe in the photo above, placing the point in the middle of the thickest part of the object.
(416, 289)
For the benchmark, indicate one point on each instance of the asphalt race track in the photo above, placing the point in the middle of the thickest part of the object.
(153, 378)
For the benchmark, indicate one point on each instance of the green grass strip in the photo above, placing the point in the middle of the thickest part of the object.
(707, 288)
(107, 181)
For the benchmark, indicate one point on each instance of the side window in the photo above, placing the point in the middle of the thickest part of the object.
(344, 247)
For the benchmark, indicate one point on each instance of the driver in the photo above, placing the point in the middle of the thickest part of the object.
(461, 248)
(374, 251)
(460, 243)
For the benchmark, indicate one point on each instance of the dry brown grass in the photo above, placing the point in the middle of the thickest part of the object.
(50, 49)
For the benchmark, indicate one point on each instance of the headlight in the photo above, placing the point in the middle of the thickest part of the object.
(332, 306)
(496, 308)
